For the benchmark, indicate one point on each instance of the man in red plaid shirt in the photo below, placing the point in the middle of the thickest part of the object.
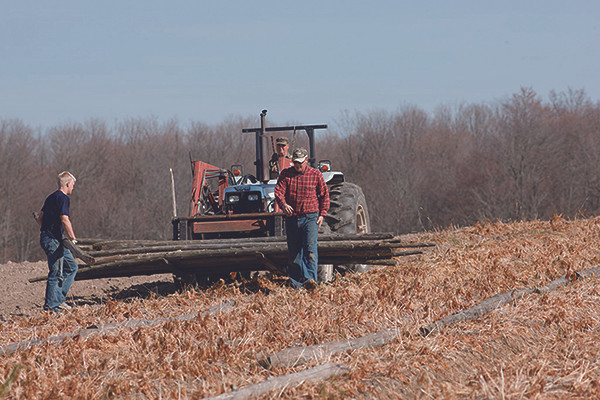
(303, 197)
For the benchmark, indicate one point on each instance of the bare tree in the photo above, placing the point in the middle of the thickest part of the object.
(577, 178)
(528, 153)
(20, 182)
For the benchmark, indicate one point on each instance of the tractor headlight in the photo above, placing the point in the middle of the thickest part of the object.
(324, 166)
(253, 197)
(233, 198)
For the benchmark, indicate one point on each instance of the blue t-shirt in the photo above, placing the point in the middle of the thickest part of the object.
(56, 204)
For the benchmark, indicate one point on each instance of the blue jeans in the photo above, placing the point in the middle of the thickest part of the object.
(62, 268)
(301, 234)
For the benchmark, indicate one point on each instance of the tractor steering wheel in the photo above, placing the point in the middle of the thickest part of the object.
(249, 178)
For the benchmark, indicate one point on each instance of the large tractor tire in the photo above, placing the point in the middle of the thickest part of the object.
(348, 214)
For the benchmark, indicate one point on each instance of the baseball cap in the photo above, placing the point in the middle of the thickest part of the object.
(282, 140)
(300, 155)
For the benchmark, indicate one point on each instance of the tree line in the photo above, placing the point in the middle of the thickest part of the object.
(520, 158)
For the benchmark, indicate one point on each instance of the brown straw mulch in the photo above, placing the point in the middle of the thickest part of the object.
(542, 345)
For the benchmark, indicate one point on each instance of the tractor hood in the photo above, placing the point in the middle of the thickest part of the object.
(250, 198)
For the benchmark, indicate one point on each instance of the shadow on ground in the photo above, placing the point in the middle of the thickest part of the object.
(141, 291)
(165, 288)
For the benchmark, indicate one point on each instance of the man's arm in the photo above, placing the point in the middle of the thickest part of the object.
(280, 189)
(323, 197)
(66, 223)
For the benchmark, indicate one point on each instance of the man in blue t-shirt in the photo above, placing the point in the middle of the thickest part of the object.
(54, 222)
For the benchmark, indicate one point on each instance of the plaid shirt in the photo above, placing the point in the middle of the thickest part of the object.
(306, 193)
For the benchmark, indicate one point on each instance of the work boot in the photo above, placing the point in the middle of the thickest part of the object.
(309, 285)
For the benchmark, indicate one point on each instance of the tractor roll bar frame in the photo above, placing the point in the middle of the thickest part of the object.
(261, 142)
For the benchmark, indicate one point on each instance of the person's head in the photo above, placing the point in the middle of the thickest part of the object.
(282, 146)
(66, 182)
(300, 159)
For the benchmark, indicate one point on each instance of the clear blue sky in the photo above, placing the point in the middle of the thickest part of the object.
(305, 61)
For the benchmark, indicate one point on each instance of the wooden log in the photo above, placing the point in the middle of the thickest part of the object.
(477, 311)
(269, 264)
(185, 259)
(313, 375)
(302, 354)
(111, 328)
(199, 245)
(123, 244)
(501, 299)
(381, 261)
(135, 267)
(241, 243)
(77, 252)
(402, 243)
(398, 253)
(127, 268)
(89, 241)
(565, 279)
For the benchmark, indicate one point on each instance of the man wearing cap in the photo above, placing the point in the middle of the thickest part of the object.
(281, 158)
(303, 197)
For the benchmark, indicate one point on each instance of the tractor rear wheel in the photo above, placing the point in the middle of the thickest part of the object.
(348, 211)
(348, 214)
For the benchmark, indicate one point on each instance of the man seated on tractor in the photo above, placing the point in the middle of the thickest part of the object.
(281, 158)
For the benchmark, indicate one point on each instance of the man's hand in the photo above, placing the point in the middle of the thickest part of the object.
(288, 210)
(38, 218)
(320, 220)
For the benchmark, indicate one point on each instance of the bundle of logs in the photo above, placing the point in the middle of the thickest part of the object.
(123, 258)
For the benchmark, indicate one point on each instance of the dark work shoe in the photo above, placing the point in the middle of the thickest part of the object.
(309, 285)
